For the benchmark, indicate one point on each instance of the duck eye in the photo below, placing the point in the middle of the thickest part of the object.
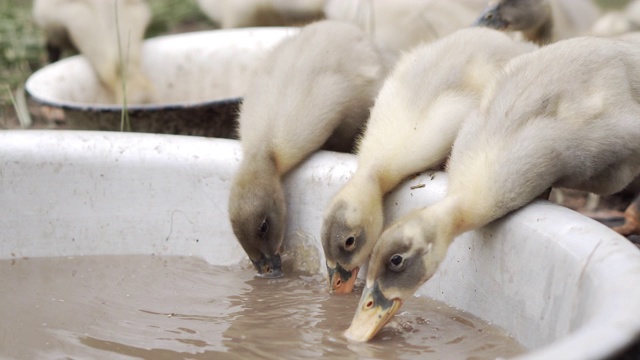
(396, 262)
(350, 243)
(264, 227)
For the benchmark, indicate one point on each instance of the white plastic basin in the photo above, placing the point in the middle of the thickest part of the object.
(565, 286)
(198, 79)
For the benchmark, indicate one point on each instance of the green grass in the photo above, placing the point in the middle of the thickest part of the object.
(611, 4)
(20, 51)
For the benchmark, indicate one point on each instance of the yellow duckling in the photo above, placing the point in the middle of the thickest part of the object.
(314, 89)
(541, 21)
(567, 115)
(413, 124)
(92, 27)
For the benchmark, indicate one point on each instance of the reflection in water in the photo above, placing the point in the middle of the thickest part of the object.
(279, 314)
(143, 353)
(182, 308)
(295, 317)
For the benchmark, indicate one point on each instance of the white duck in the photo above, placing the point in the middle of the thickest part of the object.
(314, 88)
(244, 13)
(413, 124)
(541, 21)
(399, 25)
(92, 27)
(567, 115)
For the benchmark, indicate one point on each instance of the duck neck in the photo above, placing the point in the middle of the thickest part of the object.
(383, 179)
(259, 164)
(543, 33)
(366, 183)
(454, 217)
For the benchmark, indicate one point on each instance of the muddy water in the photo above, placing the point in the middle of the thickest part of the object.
(122, 307)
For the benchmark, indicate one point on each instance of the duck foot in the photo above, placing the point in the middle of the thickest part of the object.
(631, 223)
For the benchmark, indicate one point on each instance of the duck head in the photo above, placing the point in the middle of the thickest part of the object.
(406, 255)
(349, 232)
(514, 15)
(257, 212)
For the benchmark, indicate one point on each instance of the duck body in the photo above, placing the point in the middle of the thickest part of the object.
(245, 13)
(92, 27)
(576, 121)
(413, 124)
(314, 90)
(399, 25)
(566, 115)
(541, 21)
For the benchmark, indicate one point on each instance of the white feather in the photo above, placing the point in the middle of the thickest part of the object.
(90, 26)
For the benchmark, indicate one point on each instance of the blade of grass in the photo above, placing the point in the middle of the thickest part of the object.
(125, 125)
(23, 111)
(20, 107)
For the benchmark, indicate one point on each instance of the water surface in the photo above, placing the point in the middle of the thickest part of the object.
(123, 307)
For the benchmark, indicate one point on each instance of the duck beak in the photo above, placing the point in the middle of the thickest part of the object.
(374, 311)
(341, 280)
(269, 267)
(491, 18)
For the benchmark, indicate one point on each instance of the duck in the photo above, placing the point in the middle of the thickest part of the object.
(400, 25)
(413, 123)
(631, 215)
(566, 115)
(247, 13)
(314, 90)
(615, 23)
(541, 21)
(94, 28)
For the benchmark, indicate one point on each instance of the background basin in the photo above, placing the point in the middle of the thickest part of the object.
(198, 80)
(564, 285)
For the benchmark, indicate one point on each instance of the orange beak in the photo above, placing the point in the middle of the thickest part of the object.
(341, 284)
(373, 313)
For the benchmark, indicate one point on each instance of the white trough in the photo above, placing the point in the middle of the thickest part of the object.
(565, 286)
(198, 79)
